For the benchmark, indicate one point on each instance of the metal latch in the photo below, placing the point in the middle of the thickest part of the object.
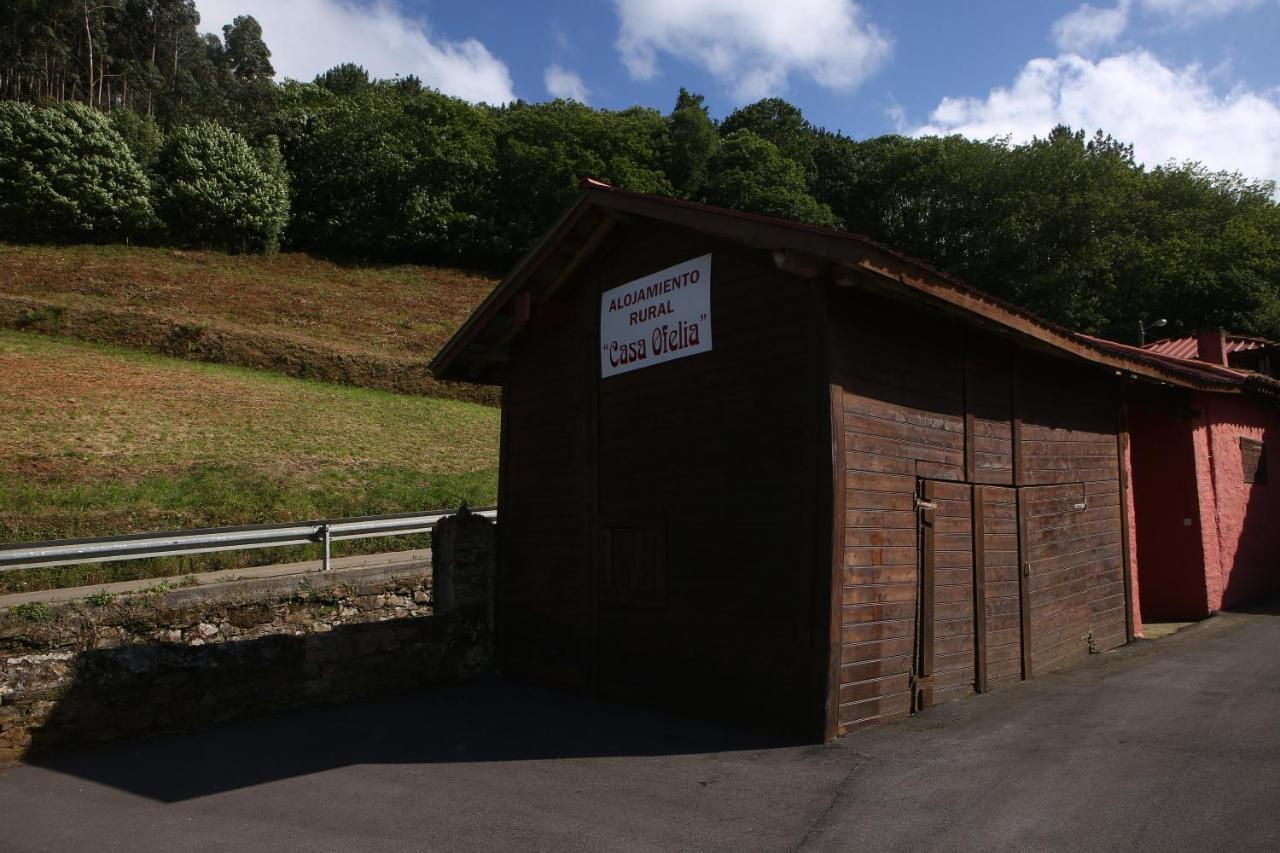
(1082, 505)
(921, 503)
(916, 681)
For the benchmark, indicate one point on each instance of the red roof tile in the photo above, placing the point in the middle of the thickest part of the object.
(1186, 347)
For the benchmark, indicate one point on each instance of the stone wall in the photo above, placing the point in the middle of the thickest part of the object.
(180, 659)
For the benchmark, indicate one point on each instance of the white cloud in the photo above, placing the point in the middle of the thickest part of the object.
(1192, 11)
(562, 83)
(1090, 27)
(1167, 113)
(307, 37)
(754, 45)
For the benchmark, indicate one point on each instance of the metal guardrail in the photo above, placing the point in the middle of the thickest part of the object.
(63, 552)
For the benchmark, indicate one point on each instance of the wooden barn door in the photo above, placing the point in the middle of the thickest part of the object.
(1061, 544)
(1012, 582)
(997, 589)
(945, 634)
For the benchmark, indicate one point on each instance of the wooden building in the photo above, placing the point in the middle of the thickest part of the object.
(776, 472)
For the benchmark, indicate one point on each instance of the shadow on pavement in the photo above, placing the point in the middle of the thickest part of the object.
(487, 720)
(1269, 606)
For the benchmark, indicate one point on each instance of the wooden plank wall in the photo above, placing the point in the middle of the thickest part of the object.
(953, 664)
(988, 392)
(924, 398)
(903, 418)
(1070, 454)
(720, 446)
(719, 449)
(1003, 657)
(545, 499)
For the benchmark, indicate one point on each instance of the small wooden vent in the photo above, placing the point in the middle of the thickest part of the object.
(1254, 458)
(634, 558)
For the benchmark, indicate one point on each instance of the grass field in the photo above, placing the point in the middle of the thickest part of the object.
(371, 326)
(396, 310)
(97, 440)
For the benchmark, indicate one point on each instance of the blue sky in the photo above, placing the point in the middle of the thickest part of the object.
(1181, 79)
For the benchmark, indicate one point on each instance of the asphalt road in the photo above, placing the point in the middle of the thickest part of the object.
(1166, 745)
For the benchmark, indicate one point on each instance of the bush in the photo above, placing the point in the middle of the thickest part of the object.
(66, 174)
(34, 611)
(215, 191)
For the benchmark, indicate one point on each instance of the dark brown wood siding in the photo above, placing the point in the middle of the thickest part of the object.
(988, 392)
(667, 533)
(926, 398)
(1071, 511)
(543, 535)
(950, 652)
(718, 449)
(1068, 424)
(688, 570)
(1003, 643)
(902, 387)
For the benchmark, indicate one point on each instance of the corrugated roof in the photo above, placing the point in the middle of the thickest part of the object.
(1187, 346)
(476, 352)
(1174, 361)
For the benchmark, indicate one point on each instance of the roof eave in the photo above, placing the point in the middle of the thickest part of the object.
(835, 251)
(444, 360)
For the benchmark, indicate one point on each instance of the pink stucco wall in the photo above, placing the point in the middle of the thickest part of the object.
(1167, 554)
(1201, 538)
(1240, 522)
(1131, 520)
(1206, 471)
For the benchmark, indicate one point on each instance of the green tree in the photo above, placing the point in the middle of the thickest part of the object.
(247, 53)
(694, 140)
(779, 122)
(387, 175)
(1069, 226)
(749, 173)
(347, 79)
(1206, 252)
(271, 160)
(542, 151)
(214, 191)
(937, 198)
(66, 174)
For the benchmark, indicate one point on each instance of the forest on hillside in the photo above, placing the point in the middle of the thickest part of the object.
(124, 120)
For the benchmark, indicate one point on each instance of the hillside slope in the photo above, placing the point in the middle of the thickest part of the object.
(370, 326)
(97, 440)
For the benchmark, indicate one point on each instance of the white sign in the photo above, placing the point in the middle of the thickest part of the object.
(661, 317)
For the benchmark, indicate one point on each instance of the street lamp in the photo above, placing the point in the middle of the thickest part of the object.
(1143, 328)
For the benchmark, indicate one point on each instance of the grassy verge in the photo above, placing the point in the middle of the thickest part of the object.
(98, 441)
